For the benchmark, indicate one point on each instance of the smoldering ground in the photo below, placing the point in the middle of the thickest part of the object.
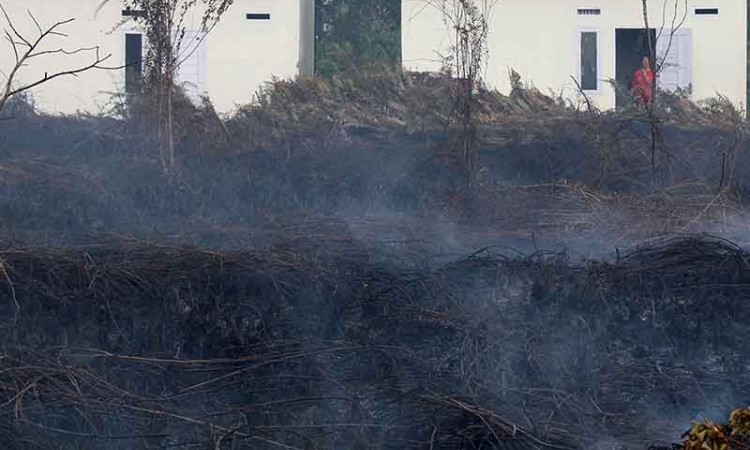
(306, 283)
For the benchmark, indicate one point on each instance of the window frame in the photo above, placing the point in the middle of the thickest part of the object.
(579, 59)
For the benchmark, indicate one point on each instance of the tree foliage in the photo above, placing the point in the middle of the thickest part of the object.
(352, 34)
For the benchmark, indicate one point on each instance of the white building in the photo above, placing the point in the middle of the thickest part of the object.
(551, 42)
(254, 41)
(548, 42)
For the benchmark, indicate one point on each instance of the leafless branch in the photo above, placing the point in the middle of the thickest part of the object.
(673, 30)
(13, 45)
(12, 27)
(589, 104)
(36, 22)
(64, 52)
(25, 49)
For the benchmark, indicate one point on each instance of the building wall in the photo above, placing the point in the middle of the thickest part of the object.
(425, 37)
(233, 62)
(243, 54)
(539, 40)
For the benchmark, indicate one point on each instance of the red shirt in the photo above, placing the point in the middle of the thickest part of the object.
(643, 86)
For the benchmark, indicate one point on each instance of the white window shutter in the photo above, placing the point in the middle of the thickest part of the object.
(675, 57)
(685, 52)
(667, 61)
(190, 74)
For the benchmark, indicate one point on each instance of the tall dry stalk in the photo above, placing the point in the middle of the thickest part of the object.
(658, 146)
(469, 24)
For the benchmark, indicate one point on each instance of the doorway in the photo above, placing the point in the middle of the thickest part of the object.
(631, 45)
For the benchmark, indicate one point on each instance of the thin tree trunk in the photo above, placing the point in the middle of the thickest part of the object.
(653, 120)
(170, 123)
(159, 122)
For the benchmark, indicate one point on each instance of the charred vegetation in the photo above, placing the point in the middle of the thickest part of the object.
(300, 279)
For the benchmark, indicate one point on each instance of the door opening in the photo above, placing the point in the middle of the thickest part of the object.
(631, 45)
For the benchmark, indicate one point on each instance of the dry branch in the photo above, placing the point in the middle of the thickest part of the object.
(26, 49)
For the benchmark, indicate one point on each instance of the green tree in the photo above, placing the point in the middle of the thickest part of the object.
(353, 34)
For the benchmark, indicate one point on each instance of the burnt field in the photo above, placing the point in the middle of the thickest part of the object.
(134, 347)
(316, 274)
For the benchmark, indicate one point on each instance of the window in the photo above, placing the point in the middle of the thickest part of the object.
(706, 11)
(589, 11)
(589, 61)
(252, 16)
(134, 13)
(133, 62)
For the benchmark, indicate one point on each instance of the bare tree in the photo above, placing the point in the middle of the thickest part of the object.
(469, 24)
(658, 147)
(168, 46)
(27, 49)
(677, 22)
(658, 61)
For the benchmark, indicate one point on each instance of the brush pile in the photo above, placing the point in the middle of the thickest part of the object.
(376, 143)
(338, 326)
(379, 101)
(383, 101)
(299, 347)
(540, 174)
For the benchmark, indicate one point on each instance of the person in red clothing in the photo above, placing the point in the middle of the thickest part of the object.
(643, 83)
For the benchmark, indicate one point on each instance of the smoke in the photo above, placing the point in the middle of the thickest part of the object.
(360, 272)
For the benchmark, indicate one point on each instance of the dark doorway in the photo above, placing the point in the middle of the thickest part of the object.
(631, 45)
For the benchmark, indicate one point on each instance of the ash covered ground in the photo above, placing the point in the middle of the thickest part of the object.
(315, 274)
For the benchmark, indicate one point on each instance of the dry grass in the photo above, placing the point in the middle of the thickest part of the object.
(138, 346)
